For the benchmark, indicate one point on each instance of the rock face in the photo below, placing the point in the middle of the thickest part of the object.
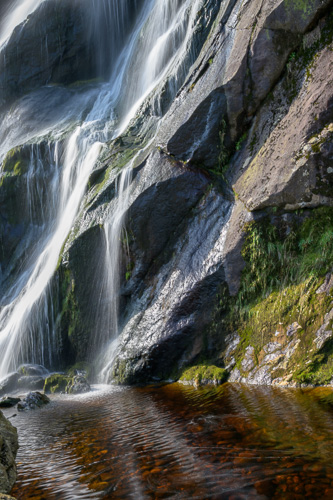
(9, 446)
(225, 196)
(57, 44)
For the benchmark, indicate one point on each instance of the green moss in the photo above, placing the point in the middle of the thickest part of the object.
(16, 162)
(240, 142)
(208, 373)
(285, 264)
(276, 258)
(81, 366)
(224, 153)
(56, 383)
(70, 317)
(119, 373)
(303, 7)
(320, 369)
(81, 83)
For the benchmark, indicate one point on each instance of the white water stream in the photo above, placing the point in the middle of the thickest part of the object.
(155, 46)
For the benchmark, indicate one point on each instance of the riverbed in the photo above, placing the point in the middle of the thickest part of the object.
(175, 441)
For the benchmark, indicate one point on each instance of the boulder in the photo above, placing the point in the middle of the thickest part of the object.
(78, 385)
(33, 370)
(32, 401)
(30, 383)
(9, 383)
(8, 402)
(8, 446)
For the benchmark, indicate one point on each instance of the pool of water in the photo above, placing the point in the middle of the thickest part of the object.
(227, 442)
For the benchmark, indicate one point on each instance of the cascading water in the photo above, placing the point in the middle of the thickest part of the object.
(113, 231)
(153, 47)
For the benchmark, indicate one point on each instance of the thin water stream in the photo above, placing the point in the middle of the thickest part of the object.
(229, 442)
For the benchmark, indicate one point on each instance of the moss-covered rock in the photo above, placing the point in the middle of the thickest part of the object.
(283, 310)
(204, 375)
(57, 382)
(16, 161)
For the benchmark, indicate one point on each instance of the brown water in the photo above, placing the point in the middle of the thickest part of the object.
(229, 442)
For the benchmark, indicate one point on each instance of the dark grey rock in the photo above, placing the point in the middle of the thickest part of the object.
(8, 402)
(9, 383)
(32, 401)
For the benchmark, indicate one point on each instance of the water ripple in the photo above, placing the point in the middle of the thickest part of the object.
(178, 442)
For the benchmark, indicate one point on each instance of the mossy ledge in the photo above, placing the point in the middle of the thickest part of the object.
(203, 375)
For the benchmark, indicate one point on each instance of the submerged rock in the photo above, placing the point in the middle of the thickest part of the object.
(32, 401)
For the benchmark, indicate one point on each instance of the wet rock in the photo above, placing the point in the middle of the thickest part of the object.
(30, 383)
(78, 385)
(32, 401)
(9, 383)
(32, 370)
(30, 377)
(56, 382)
(8, 447)
(8, 402)
(58, 45)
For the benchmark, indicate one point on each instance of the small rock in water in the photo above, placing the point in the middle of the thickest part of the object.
(8, 402)
(32, 401)
(78, 385)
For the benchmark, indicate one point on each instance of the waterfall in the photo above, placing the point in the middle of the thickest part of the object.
(142, 58)
(115, 237)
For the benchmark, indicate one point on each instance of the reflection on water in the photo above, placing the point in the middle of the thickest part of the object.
(230, 442)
